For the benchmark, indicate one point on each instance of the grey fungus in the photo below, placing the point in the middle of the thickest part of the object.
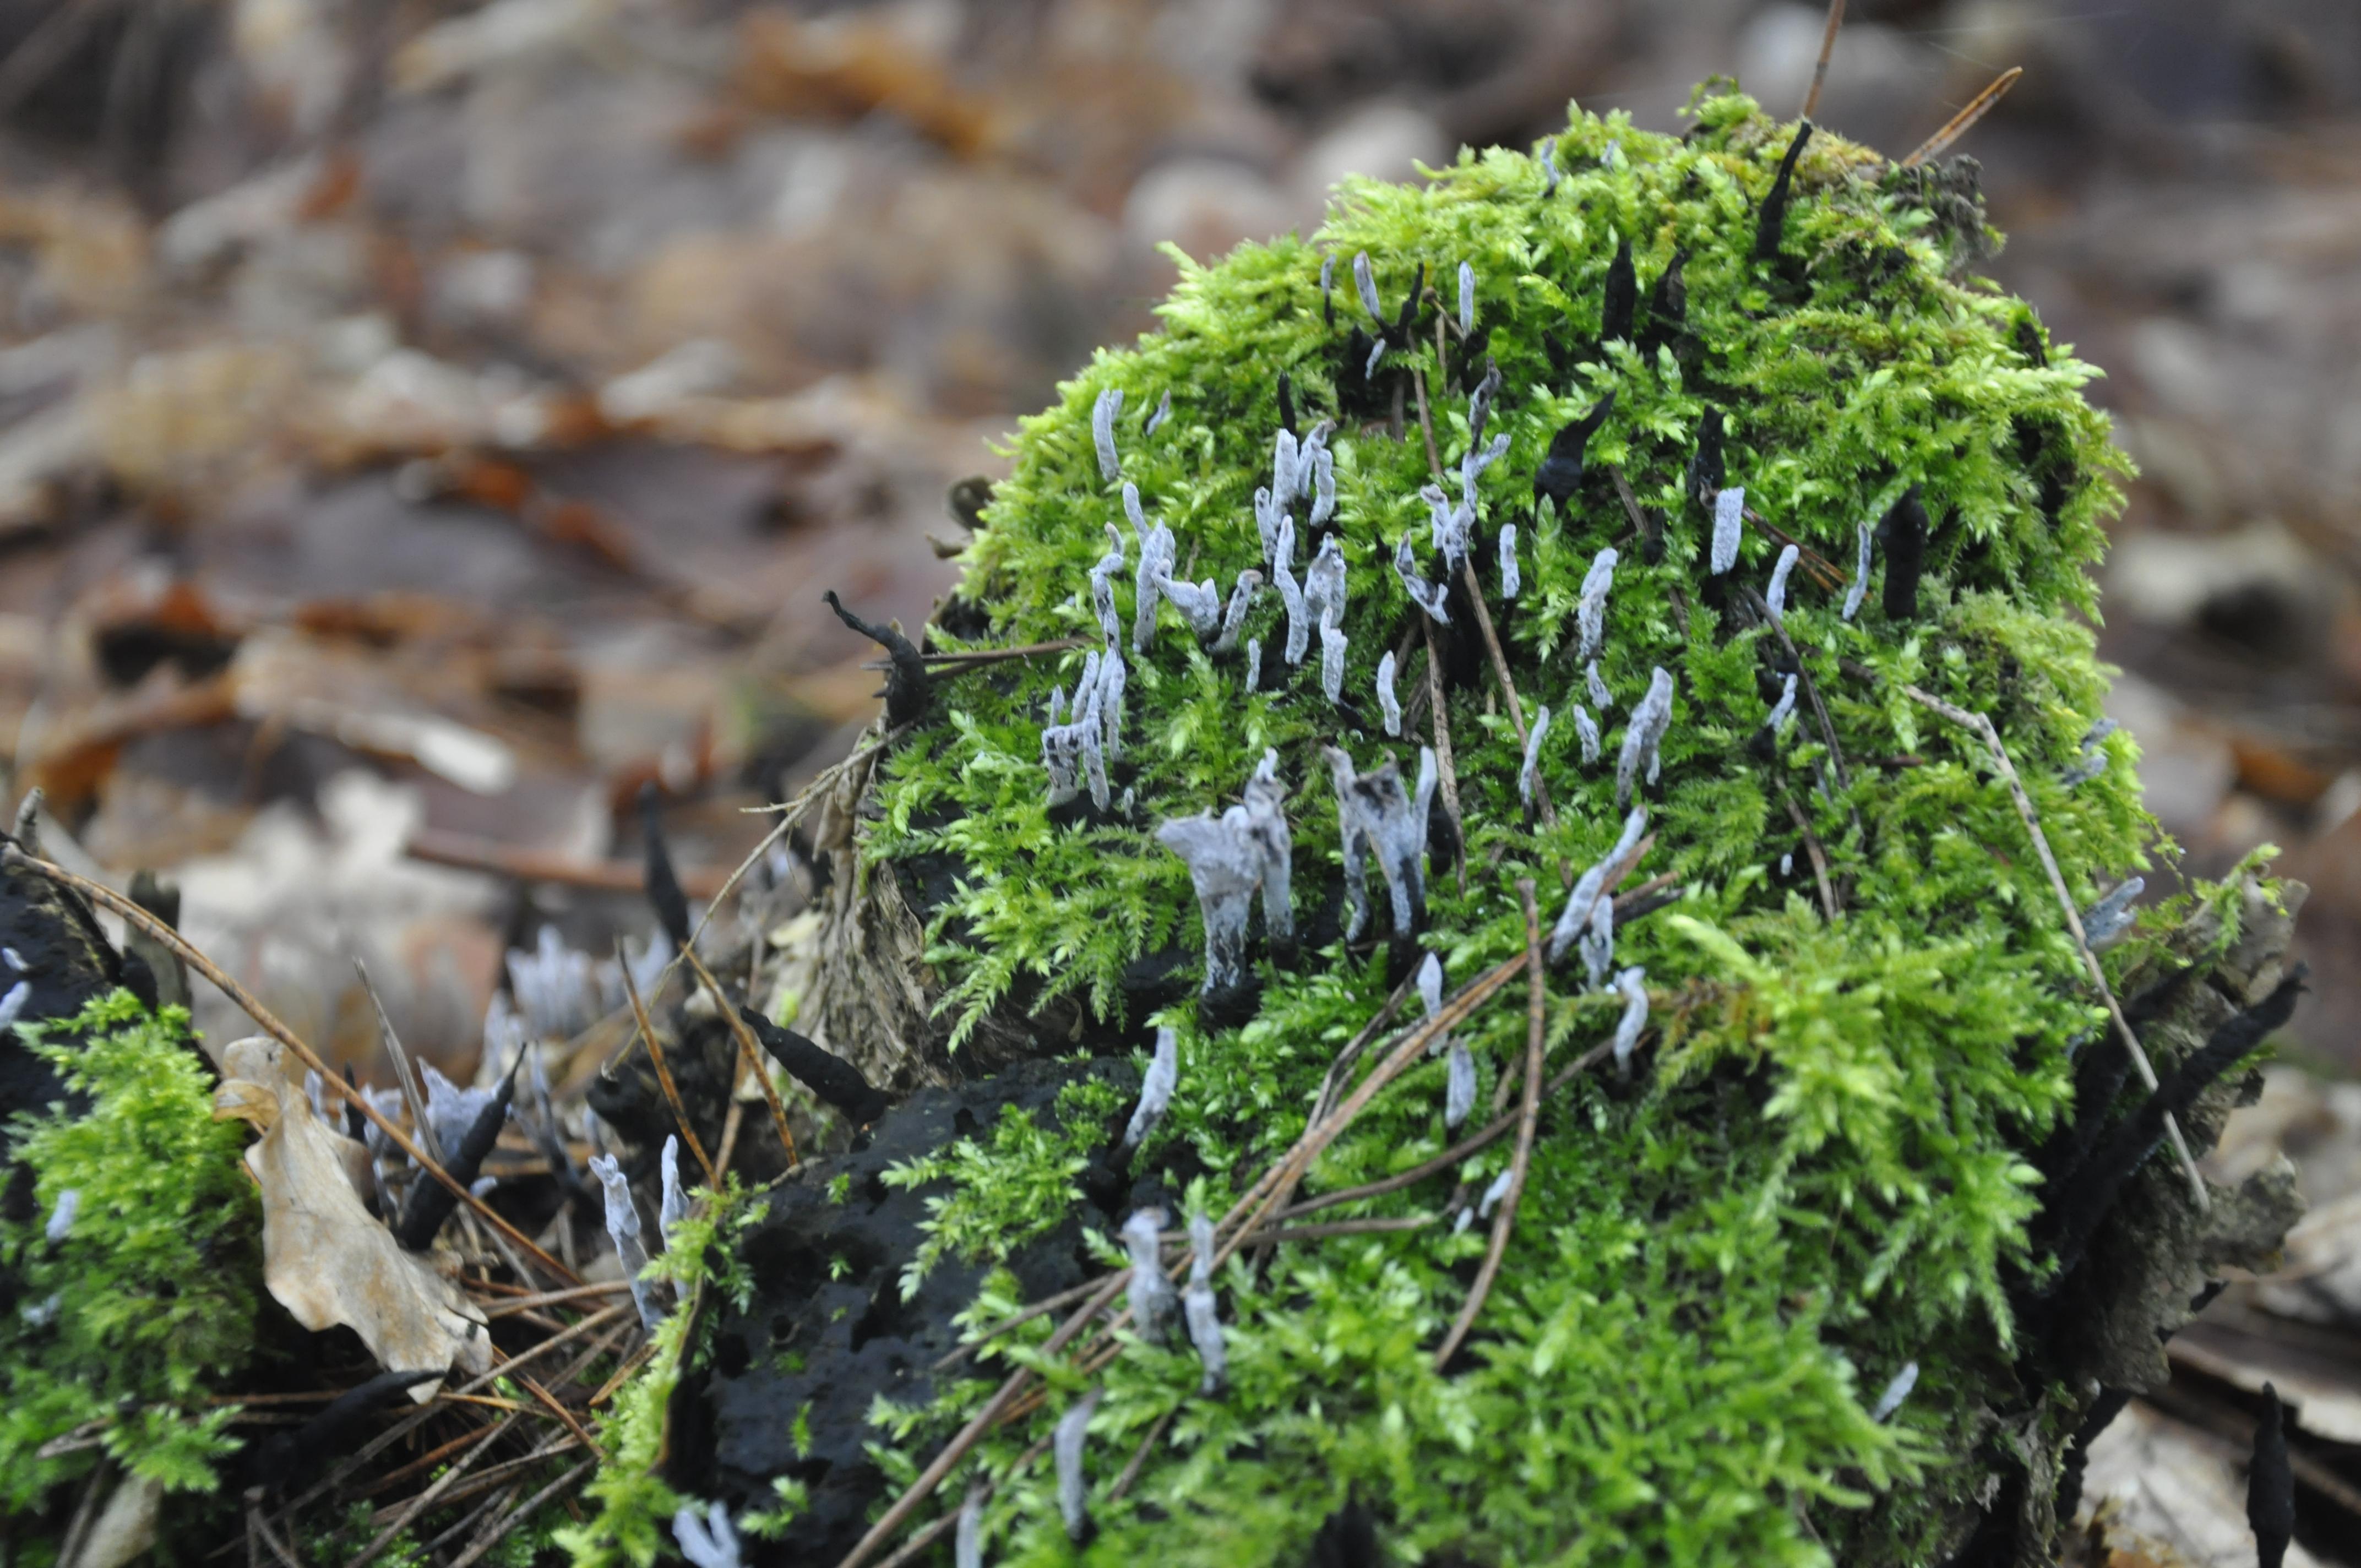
(1595, 687)
(1323, 487)
(1643, 736)
(1102, 418)
(1459, 1087)
(1774, 598)
(707, 1542)
(967, 1537)
(1631, 983)
(623, 1230)
(1332, 664)
(1199, 604)
(1510, 580)
(1155, 1087)
(1290, 594)
(1591, 886)
(1200, 1310)
(1234, 618)
(1784, 711)
(1588, 728)
(14, 1003)
(1158, 553)
(1590, 608)
(1254, 664)
(1898, 1390)
(674, 1208)
(1495, 1193)
(1151, 1298)
(1389, 705)
(1596, 946)
(1324, 584)
(1103, 584)
(1378, 818)
(61, 1217)
(1467, 300)
(1728, 520)
(1858, 588)
(451, 1110)
(1376, 353)
(1429, 983)
(1428, 597)
(1229, 858)
(1547, 155)
(2106, 922)
(2094, 759)
(1265, 825)
(1479, 404)
(1366, 283)
(1066, 1444)
(1529, 775)
(1163, 412)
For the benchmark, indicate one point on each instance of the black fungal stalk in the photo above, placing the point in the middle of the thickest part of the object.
(1286, 403)
(1668, 302)
(1901, 534)
(1705, 470)
(1561, 470)
(831, 1077)
(665, 894)
(1622, 296)
(430, 1202)
(909, 690)
(2104, 1177)
(290, 1459)
(2270, 1485)
(1772, 226)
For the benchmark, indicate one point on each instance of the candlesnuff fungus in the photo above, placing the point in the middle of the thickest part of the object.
(1771, 228)
(1380, 819)
(1103, 417)
(1903, 532)
(1066, 1445)
(909, 689)
(1201, 1311)
(1896, 1390)
(1631, 983)
(967, 1537)
(1234, 618)
(1155, 1089)
(665, 894)
(552, 987)
(1163, 412)
(1103, 584)
(1151, 1298)
(1622, 297)
(430, 1202)
(1493, 1193)
(623, 1230)
(1595, 687)
(1467, 300)
(674, 1208)
(2093, 760)
(1159, 552)
(1510, 581)
(287, 1462)
(1459, 1087)
(1642, 736)
(1389, 705)
(451, 1110)
(2270, 1485)
(836, 1081)
(1587, 728)
(1825, 381)
(710, 1541)
(1784, 709)
(1366, 282)
(1774, 598)
(1300, 618)
(1592, 886)
(1729, 522)
(1229, 857)
(61, 1216)
(1199, 604)
(1254, 664)
(1858, 588)
(1590, 610)
(1528, 776)
(1596, 946)
(1560, 472)
(14, 1003)
(2105, 923)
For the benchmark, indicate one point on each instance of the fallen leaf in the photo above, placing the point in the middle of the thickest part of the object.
(324, 1259)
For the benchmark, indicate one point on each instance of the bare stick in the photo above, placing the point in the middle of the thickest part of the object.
(1963, 122)
(1979, 725)
(910, 1549)
(467, 852)
(418, 1503)
(1426, 425)
(1139, 1455)
(521, 1512)
(664, 1068)
(959, 656)
(554, 1297)
(132, 915)
(1442, 752)
(747, 1051)
(1828, 48)
(1812, 848)
(1047, 1304)
(1528, 1117)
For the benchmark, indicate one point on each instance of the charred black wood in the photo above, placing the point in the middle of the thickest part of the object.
(834, 1080)
(909, 691)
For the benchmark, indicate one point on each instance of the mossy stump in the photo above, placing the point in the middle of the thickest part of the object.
(1854, 1138)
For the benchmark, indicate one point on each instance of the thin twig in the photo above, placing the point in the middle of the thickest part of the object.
(1139, 1455)
(984, 1488)
(556, 1408)
(1641, 525)
(1045, 1305)
(664, 1068)
(1529, 1118)
(1426, 425)
(425, 1499)
(557, 1298)
(1828, 48)
(986, 655)
(748, 1051)
(1963, 122)
(245, 1001)
(1334, 1082)
(1376, 1226)
(467, 852)
(1811, 689)
(1812, 848)
(1829, 575)
(1979, 725)
(521, 1512)
(1443, 756)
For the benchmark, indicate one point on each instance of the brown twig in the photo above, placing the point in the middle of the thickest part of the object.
(664, 1068)
(245, 1001)
(748, 1052)
(1963, 122)
(1528, 1117)
(1425, 424)
(425, 1499)
(470, 853)
(1828, 48)
(1045, 1305)
(1375, 1226)
(557, 1408)
(1981, 727)
(557, 1298)
(1829, 575)
(522, 1511)
(1448, 767)
(1812, 849)
(1139, 1455)
(987, 655)
(1811, 688)
(1641, 524)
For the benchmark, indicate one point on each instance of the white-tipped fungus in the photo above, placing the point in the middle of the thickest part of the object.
(1366, 283)
(1428, 597)
(1467, 300)
(1643, 735)
(1632, 984)
(1590, 608)
(1152, 1298)
(1103, 417)
(1066, 1444)
(1389, 705)
(1592, 885)
(1528, 776)
(623, 1230)
(1858, 588)
(1234, 618)
(2105, 922)
(1510, 582)
(1896, 1390)
(1588, 728)
(1595, 687)
(707, 1542)
(1459, 1087)
(1775, 596)
(1155, 1089)
(674, 1208)
(1729, 517)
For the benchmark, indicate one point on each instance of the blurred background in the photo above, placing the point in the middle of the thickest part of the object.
(422, 422)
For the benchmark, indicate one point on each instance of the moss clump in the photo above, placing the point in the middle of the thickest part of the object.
(1821, 1171)
(118, 1329)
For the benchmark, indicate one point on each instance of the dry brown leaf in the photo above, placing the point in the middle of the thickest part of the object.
(324, 1259)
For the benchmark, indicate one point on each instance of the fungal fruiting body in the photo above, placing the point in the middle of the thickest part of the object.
(1669, 1223)
(623, 1230)
(1152, 1296)
(1202, 1310)
(1155, 1089)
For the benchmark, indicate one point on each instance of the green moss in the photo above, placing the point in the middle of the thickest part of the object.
(1821, 1174)
(121, 1330)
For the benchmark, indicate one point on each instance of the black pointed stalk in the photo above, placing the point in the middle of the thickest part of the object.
(1407, 319)
(430, 1202)
(909, 690)
(1287, 403)
(1622, 296)
(1772, 226)
(289, 1461)
(670, 903)
(2270, 1485)
(1903, 533)
(1561, 469)
(834, 1080)
(1706, 471)
(1668, 302)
